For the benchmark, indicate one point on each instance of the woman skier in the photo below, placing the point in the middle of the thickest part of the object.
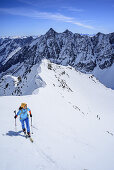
(24, 117)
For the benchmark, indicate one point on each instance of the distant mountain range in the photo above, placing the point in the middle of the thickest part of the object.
(94, 55)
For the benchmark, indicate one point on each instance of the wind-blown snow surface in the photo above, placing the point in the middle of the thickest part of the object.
(73, 124)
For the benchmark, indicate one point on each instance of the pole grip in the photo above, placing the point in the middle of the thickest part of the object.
(15, 115)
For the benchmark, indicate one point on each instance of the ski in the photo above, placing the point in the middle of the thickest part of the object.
(26, 136)
(31, 139)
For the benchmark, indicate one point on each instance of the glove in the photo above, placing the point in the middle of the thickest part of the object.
(30, 115)
(15, 116)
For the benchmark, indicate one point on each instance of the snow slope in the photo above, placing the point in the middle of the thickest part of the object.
(105, 76)
(11, 54)
(73, 124)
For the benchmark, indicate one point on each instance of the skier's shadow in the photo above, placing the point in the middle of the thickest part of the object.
(13, 133)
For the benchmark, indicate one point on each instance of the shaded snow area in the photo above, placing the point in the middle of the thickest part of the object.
(73, 124)
(105, 76)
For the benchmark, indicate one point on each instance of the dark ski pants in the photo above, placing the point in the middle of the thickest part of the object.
(27, 124)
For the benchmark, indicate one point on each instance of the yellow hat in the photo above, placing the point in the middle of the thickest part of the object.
(23, 105)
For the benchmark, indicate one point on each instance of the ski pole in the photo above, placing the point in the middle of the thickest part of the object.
(31, 125)
(15, 120)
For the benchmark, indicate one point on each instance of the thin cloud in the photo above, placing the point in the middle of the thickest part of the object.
(81, 25)
(43, 15)
(73, 9)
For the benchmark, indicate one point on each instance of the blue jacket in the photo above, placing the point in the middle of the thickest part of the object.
(23, 113)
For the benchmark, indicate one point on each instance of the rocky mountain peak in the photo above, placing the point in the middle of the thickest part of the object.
(51, 32)
(68, 32)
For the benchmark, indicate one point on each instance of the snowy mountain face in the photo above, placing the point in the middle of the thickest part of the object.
(10, 46)
(93, 55)
(73, 121)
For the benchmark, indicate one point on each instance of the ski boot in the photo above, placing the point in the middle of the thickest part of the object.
(24, 130)
(28, 134)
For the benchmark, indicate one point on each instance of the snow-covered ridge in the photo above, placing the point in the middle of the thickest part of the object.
(18, 37)
(29, 81)
(24, 84)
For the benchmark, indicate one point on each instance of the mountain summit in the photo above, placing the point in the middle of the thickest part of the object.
(51, 32)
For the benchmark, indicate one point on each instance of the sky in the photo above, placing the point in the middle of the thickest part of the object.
(36, 17)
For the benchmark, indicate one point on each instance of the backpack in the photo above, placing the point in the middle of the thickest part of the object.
(20, 108)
